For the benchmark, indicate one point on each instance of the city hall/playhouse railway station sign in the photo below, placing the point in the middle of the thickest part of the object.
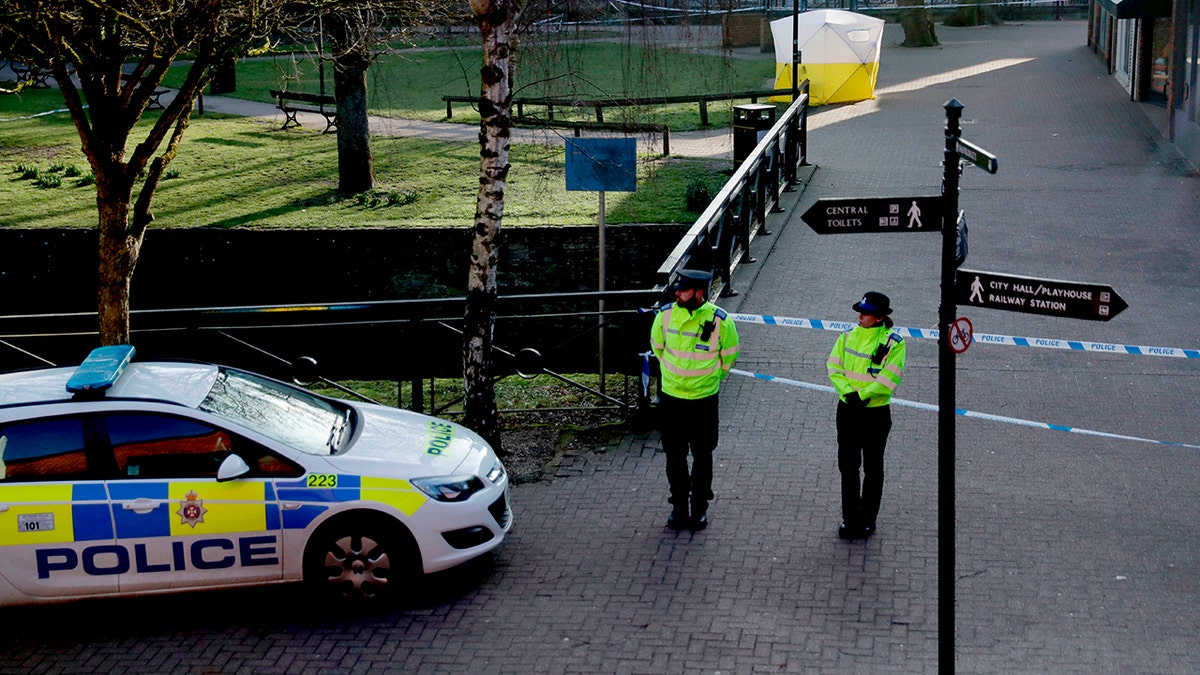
(1052, 297)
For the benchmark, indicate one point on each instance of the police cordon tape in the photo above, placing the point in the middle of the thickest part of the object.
(983, 338)
(968, 413)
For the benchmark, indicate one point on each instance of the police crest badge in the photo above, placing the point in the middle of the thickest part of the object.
(191, 510)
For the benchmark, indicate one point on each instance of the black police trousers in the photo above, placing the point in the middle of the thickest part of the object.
(689, 425)
(862, 434)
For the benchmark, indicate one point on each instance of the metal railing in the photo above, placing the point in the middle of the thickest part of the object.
(413, 340)
(720, 238)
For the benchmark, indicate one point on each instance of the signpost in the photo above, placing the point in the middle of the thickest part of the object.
(978, 289)
(878, 214)
(597, 165)
(1051, 297)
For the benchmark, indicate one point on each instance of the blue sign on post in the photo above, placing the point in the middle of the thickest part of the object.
(602, 164)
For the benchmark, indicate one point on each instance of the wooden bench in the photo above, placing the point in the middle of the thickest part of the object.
(316, 104)
(155, 98)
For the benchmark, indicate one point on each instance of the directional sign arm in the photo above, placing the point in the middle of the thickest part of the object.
(875, 214)
(977, 156)
(1050, 297)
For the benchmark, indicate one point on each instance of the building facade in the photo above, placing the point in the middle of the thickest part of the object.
(1152, 47)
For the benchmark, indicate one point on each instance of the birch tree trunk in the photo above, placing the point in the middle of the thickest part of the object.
(495, 19)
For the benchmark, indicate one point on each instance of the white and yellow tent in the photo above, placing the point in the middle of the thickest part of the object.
(839, 54)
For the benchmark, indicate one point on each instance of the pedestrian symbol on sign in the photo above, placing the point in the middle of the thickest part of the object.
(914, 215)
(976, 291)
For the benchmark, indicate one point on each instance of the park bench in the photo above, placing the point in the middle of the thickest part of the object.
(155, 98)
(316, 103)
(38, 78)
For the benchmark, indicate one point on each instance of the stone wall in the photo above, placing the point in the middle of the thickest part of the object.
(50, 271)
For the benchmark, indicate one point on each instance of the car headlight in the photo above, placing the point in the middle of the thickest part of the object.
(449, 488)
(496, 472)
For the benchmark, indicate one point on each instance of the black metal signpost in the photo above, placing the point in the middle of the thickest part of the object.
(951, 170)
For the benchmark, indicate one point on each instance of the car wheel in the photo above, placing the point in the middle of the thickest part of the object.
(359, 559)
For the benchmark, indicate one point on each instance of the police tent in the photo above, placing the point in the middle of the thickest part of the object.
(839, 54)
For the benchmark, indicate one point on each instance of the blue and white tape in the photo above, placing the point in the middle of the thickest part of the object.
(968, 413)
(983, 338)
(35, 115)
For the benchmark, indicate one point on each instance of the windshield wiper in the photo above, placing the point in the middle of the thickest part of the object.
(338, 432)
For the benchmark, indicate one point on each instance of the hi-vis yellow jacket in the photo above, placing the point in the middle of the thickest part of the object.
(850, 367)
(692, 366)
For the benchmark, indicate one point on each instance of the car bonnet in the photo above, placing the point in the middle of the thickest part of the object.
(401, 436)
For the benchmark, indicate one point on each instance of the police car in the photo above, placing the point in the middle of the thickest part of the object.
(121, 477)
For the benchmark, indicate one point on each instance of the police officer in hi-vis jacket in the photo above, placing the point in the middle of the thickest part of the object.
(865, 367)
(696, 344)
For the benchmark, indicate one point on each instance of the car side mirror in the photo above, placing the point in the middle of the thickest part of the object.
(232, 467)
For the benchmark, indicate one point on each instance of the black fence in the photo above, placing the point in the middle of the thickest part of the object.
(720, 239)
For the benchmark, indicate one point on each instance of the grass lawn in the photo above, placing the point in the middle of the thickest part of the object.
(409, 84)
(237, 172)
(234, 172)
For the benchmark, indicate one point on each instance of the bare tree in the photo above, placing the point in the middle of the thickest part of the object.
(351, 38)
(496, 20)
(359, 31)
(108, 58)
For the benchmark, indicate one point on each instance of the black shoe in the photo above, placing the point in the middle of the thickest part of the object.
(868, 530)
(700, 522)
(678, 520)
(853, 532)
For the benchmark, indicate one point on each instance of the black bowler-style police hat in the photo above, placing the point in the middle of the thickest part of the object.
(873, 303)
(693, 279)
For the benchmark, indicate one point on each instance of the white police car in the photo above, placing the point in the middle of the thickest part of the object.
(121, 478)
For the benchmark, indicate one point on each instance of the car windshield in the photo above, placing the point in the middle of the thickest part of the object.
(292, 416)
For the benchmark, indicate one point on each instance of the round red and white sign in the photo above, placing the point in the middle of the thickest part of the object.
(961, 334)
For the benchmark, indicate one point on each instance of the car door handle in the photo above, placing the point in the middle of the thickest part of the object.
(142, 505)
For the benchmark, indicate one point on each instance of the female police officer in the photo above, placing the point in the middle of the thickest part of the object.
(865, 366)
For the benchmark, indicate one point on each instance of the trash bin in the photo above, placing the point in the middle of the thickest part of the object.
(750, 122)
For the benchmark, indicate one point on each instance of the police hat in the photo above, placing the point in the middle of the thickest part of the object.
(873, 303)
(693, 279)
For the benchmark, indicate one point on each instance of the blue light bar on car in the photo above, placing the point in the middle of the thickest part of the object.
(100, 370)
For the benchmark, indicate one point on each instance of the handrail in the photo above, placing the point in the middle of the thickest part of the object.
(738, 212)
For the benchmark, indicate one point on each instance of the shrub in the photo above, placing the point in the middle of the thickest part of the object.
(48, 180)
(697, 195)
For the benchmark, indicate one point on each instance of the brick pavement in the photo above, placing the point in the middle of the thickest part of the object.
(1075, 553)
